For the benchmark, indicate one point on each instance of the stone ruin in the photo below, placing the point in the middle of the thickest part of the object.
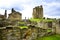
(15, 33)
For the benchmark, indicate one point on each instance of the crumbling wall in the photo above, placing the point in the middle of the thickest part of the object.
(3, 34)
(16, 33)
(13, 34)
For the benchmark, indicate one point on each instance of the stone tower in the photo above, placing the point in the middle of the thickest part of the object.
(5, 14)
(38, 12)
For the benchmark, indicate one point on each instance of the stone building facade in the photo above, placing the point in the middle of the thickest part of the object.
(15, 16)
(38, 12)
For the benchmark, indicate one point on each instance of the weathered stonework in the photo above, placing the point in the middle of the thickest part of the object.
(3, 33)
(15, 16)
(38, 12)
(57, 27)
(13, 34)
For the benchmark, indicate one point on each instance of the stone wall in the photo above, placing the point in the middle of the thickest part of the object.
(57, 27)
(3, 33)
(15, 33)
(43, 25)
(10, 34)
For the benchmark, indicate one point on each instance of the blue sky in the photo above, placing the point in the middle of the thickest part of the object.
(51, 7)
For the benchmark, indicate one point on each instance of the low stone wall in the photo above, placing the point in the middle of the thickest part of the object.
(21, 34)
(10, 34)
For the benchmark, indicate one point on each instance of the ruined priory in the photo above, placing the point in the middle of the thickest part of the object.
(16, 28)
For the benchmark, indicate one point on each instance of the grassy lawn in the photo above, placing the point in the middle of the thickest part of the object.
(52, 37)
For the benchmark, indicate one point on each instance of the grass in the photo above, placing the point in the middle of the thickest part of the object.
(49, 30)
(21, 22)
(36, 19)
(47, 20)
(51, 37)
(41, 19)
(22, 27)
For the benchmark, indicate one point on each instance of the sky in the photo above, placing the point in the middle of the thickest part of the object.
(51, 8)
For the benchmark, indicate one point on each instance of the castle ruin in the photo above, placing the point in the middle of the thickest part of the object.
(38, 12)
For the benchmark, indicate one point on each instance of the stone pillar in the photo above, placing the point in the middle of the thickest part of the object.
(54, 27)
(5, 14)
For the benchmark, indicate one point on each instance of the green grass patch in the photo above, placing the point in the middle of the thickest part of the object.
(49, 30)
(22, 27)
(21, 22)
(51, 37)
(36, 19)
(40, 19)
(47, 20)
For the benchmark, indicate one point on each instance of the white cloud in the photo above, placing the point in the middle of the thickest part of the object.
(2, 11)
(51, 9)
(26, 6)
